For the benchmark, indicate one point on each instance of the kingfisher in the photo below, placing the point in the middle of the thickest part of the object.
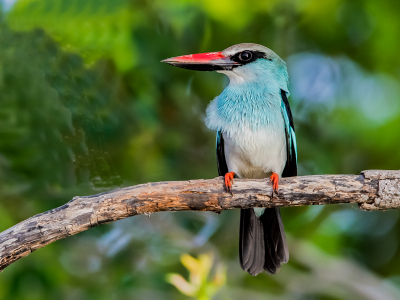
(255, 139)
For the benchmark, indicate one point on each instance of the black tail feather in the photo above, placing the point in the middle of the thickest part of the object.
(262, 241)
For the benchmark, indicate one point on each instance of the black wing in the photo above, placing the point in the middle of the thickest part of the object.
(221, 162)
(291, 161)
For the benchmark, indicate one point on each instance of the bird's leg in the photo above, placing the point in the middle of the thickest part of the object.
(228, 181)
(275, 183)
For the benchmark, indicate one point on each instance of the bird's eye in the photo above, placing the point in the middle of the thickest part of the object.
(245, 56)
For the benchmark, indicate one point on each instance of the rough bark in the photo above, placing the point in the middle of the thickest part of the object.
(371, 190)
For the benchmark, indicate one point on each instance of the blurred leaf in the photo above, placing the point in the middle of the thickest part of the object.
(199, 269)
(182, 285)
(92, 28)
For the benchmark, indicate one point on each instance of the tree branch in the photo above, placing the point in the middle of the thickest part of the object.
(371, 190)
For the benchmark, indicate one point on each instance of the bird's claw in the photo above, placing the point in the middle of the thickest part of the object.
(275, 184)
(228, 181)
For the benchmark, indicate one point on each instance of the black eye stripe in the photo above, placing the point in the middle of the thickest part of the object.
(248, 56)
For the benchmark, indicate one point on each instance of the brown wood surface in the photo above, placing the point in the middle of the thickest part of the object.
(371, 190)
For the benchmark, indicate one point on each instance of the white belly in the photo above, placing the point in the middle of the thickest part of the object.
(256, 154)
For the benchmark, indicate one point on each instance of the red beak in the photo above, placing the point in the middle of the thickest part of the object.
(212, 61)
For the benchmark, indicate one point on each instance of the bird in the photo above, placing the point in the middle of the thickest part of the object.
(255, 139)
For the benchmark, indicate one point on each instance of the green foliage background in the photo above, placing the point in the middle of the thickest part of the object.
(86, 106)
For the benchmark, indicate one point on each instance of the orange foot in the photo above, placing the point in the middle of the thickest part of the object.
(275, 182)
(229, 180)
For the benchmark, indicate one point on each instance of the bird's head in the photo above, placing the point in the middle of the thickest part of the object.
(241, 63)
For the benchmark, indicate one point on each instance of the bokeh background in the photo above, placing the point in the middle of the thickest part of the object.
(86, 106)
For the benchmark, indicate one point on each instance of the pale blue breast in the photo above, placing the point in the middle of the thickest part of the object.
(242, 107)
